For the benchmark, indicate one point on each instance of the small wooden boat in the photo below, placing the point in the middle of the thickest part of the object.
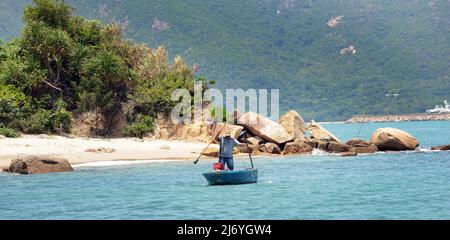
(232, 177)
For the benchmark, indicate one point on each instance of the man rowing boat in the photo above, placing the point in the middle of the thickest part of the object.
(227, 143)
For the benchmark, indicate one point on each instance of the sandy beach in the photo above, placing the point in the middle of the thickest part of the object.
(73, 149)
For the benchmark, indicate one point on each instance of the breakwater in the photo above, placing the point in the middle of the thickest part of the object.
(399, 118)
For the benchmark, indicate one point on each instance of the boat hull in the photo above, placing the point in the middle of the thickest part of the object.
(232, 177)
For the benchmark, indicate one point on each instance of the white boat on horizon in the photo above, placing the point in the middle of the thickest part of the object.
(440, 108)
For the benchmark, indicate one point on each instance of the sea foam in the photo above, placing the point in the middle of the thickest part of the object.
(319, 152)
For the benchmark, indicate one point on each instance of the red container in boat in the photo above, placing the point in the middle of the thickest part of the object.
(218, 166)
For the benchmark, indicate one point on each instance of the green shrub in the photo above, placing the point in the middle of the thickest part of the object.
(46, 121)
(61, 120)
(37, 123)
(142, 126)
(102, 82)
(157, 80)
(55, 13)
(13, 105)
(8, 132)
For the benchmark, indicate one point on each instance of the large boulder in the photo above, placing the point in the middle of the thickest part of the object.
(255, 149)
(322, 145)
(38, 165)
(297, 147)
(372, 148)
(272, 148)
(254, 140)
(293, 123)
(442, 148)
(235, 115)
(264, 128)
(336, 147)
(221, 129)
(312, 142)
(243, 149)
(320, 133)
(357, 142)
(392, 139)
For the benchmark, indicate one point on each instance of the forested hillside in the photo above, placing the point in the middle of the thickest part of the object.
(65, 73)
(330, 58)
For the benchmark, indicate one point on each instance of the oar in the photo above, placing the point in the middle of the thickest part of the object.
(196, 160)
(249, 154)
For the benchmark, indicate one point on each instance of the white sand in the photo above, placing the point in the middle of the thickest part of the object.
(73, 149)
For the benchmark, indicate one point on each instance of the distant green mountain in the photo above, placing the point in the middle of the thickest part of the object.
(330, 59)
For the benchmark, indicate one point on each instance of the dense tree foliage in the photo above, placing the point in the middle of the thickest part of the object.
(63, 65)
(401, 47)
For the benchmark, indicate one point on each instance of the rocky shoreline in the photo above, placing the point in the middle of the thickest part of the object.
(290, 135)
(399, 118)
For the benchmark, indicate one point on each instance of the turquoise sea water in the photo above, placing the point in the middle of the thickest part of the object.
(406, 185)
